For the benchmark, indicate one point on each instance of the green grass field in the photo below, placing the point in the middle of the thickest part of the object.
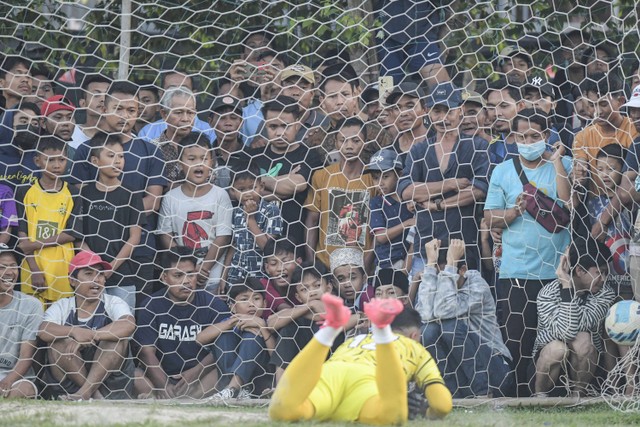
(49, 414)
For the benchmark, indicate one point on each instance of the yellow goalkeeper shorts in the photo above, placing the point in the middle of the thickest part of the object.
(343, 390)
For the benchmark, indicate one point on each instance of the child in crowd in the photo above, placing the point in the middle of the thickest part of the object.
(8, 213)
(347, 267)
(88, 336)
(255, 221)
(174, 363)
(571, 313)
(280, 263)
(609, 168)
(48, 225)
(242, 341)
(390, 216)
(296, 325)
(390, 283)
(198, 214)
(113, 217)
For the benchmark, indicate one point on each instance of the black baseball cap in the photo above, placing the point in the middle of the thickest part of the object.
(411, 89)
(370, 94)
(445, 94)
(226, 101)
(541, 84)
(384, 160)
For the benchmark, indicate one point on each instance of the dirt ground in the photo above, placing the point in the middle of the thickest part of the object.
(105, 413)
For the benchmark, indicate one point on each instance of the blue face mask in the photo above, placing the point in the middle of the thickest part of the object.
(533, 151)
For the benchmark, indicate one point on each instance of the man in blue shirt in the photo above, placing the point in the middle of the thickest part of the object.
(530, 254)
(445, 176)
(173, 79)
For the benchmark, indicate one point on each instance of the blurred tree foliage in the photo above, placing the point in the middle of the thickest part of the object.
(477, 30)
(204, 36)
(199, 36)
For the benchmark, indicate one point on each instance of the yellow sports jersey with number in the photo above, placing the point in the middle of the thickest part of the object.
(417, 363)
(44, 214)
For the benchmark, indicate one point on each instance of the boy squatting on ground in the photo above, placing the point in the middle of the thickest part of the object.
(366, 379)
(88, 336)
(242, 340)
(20, 318)
(571, 310)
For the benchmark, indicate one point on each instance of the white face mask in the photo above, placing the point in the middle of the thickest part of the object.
(533, 151)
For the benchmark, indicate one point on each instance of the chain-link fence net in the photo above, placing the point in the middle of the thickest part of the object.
(182, 181)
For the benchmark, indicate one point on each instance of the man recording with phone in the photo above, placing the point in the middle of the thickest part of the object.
(259, 81)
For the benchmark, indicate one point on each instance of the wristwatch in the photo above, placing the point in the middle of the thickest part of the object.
(438, 203)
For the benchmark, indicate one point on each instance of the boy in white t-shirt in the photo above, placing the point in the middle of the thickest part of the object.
(20, 318)
(88, 336)
(198, 214)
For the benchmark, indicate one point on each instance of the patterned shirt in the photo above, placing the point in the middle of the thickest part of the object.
(247, 258)
(172, 170)
(562, 314)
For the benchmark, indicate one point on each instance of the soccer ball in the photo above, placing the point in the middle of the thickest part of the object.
(623, 322)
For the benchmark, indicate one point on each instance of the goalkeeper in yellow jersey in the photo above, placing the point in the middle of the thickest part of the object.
(366, 378)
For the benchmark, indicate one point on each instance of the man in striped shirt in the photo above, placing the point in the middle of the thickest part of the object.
(571, 310)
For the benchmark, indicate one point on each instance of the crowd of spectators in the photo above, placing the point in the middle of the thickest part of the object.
(153, 248)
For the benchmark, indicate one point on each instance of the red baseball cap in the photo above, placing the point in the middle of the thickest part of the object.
(85, 259)
(56, 103)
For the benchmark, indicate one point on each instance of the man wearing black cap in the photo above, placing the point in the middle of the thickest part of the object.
(20, 318)
(411, 33)
(539, 94)
(226, 119)
(407, 104)
(445, 176)
(391, 218)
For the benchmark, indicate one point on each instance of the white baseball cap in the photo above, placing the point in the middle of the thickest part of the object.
(634, 101)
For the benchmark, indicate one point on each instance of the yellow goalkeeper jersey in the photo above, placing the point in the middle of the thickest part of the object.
(417, 363)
